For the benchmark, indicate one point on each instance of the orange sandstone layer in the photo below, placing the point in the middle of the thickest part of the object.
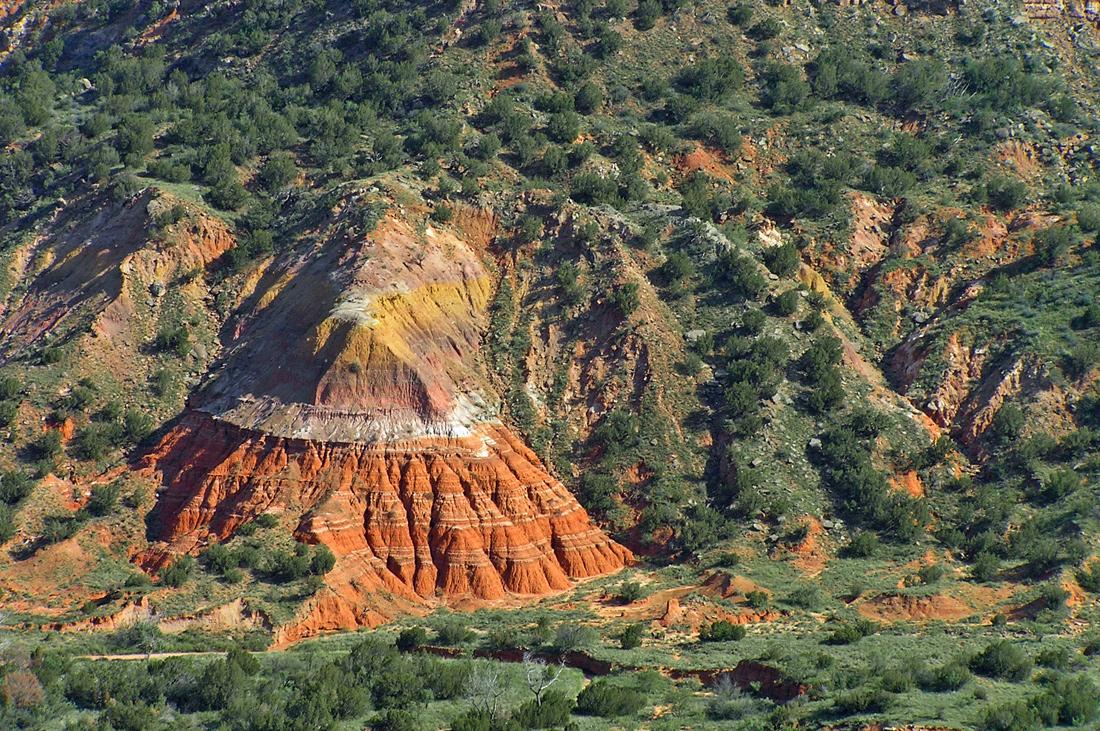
(476, 517)
(351, 399)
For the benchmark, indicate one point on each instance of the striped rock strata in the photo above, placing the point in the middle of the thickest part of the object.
(351, 401)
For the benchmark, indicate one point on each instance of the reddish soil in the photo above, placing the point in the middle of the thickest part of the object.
(712, 162)
(901, 608)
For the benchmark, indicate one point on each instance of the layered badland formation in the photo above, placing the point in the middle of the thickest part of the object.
(351, 401)
(794, 300)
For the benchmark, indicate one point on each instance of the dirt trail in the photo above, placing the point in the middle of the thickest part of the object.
(153, 656)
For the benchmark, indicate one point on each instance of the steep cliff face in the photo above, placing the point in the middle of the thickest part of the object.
(351, 401)
(476, 517)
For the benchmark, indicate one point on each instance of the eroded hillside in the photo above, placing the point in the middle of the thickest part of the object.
(325, 316)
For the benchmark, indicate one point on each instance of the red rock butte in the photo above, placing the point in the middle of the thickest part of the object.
(351, 401)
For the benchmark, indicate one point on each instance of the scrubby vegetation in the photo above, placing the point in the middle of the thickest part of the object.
(800, 290)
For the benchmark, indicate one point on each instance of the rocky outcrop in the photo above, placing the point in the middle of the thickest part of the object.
(351, 400)
(361, 340)
(1063, 10)
(475, 517)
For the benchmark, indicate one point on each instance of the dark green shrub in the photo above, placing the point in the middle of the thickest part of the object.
(626, 298)
(412, 639)
(931, 573)
(919, 83)
(563, 126)
(9, 410)
(757, 599)
(782, 260)
(136, 425)
(753, 321)
(1081, 359)
(46, 446)
(784, 88)
(453, 632)
(1089, 317)
(1069, 700)
(567, 277)
(278, 171)
(442, 213)
(739, 14)
(944, 678)
(721, 631)
(7, 523)
(472, 720)
(629, 592)
(1003, 193)
(588, 98)
(1088, 218)
(805, 597)
(14, 486)
(1003, 660)
(266, 520)
(740, 276)
(174, 339)
(103, 500)
(570, 637)
(161, 382)
(863, 700)
(985, 567)
(1088, 576)
(219, 558)
(1057, 658)
(1052, 244)
(178, 572)
(227, 193)
(711, 79)
(594, 189)
(553, 712)
(395, 719)
(764, 30)
(888, 181)
(57, 528)
(94, 441)
(677, 267)
(720, 130)
(79, 398)
(827, 393)
(11, 388)
(786, 304)
(1058, 485)
(1007, 424)
(1011, 716)
(839, 73)
(853, 631)
(322, 561)
(645, 17)
(632, 635)
(896, 680)
(601, 698)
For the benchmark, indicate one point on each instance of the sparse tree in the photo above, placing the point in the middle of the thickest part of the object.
(540, 676)
(484, 689)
